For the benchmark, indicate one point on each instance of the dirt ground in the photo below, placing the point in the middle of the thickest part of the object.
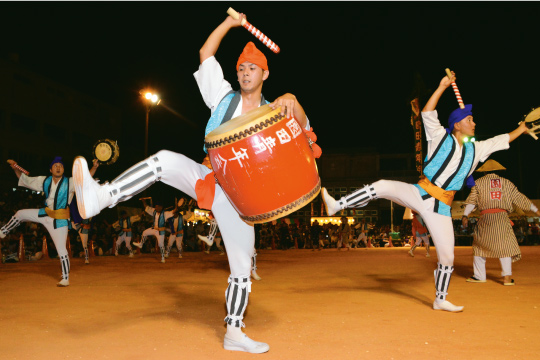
(358, 304)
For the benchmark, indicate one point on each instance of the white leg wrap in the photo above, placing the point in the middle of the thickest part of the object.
(12, 224)
(358, 198)
(213, 230)
(254, 262)
(236, 297)
(442, 280)
(506, 266)
(64, 264)
(135, 180)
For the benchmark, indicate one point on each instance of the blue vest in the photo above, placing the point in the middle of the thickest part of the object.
(161, 221)
(438, 162)
(219, 115)
(128, 226)
(178, 227)
(60, 199)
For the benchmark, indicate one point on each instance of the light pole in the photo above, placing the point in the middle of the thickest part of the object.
(149, 99)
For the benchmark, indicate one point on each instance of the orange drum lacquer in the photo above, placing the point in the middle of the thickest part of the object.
(264, 163)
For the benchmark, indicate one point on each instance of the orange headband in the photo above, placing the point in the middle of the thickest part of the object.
(252, 55)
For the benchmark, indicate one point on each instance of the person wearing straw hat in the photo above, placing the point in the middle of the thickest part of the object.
(450, 161)
(55, 215)
(494, 237)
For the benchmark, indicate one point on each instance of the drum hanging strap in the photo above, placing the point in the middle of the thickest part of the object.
(234, 104)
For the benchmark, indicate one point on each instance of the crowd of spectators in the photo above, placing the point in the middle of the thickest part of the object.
(279, 235)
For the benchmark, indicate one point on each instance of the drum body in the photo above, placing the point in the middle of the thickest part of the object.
(264, 164)
(106, 151)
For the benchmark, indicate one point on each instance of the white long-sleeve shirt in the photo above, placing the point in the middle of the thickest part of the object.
(36, 183)
(214, 87)
(483, 149)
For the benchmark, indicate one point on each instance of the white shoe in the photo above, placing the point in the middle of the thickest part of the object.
(63, 283)
(411, 253)
(179, 256)
(447, 306)
(205, 239)
(222, 253)
(330, 204)
(86, 261)
(91, 197)
(137, 244)
(246, 345)
(2, 234)
(255, 276)
(427, 255)
(207, 251)
(163, 261)
(166, 256)
(130, 254)
(116, 253)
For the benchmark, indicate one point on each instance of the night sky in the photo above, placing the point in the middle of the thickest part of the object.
(352, 65)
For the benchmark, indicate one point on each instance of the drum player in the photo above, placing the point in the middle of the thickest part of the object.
(197, 180)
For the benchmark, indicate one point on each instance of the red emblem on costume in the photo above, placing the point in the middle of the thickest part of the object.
(496, 195)
(495, 184)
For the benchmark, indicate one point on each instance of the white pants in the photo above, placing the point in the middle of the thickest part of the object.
(440, 226)
(59, 236)
(84, 240)
(121, 239)
(480, 267)
(420, 238)
(182, 173)
(177, 238)
(154, 232)
(362, 237)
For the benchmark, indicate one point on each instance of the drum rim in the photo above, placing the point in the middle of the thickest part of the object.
(284, 210)
(532, 116)
(214, 141)
(115, 151)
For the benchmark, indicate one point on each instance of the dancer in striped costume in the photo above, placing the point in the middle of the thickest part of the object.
(185, 174)
(54, 216)
(494, 237)
(449, 163)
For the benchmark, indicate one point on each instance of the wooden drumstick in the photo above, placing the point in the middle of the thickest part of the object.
(14, 164)
(257, 33)
(456, 91)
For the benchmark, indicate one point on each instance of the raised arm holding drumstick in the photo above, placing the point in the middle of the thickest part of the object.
(449, 164)
(197, 180)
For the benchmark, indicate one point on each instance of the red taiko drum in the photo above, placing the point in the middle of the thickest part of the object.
(264, 164)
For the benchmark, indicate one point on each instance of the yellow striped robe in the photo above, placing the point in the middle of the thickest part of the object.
(494, 236)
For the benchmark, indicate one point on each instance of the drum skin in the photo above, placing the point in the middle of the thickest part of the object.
(264, 164)
(106, 151)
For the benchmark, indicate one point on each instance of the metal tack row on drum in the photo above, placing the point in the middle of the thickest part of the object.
(264, 164)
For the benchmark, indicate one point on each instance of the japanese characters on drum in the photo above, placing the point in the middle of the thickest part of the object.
(291, 130)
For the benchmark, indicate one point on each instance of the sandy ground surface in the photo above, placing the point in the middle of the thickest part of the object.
(360, 304)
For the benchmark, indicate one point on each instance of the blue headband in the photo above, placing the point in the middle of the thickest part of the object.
(57, 159)
(458, 115)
